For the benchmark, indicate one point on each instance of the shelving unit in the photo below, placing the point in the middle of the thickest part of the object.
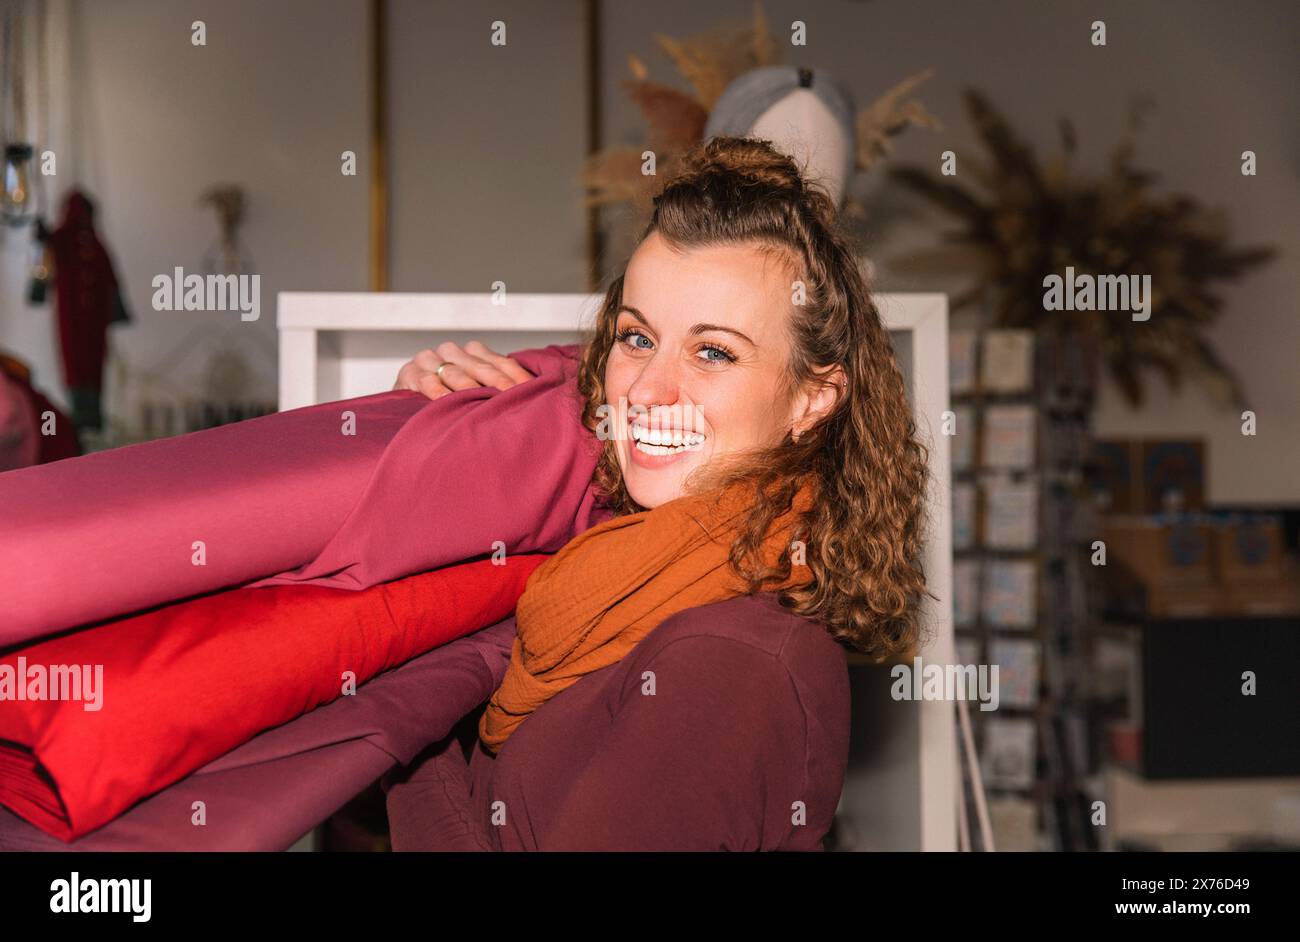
(1023, 532)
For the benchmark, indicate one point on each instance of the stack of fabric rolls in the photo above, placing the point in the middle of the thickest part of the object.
(165, 603)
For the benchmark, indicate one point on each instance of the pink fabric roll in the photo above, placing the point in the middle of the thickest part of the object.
(460, 481)
(419, 485)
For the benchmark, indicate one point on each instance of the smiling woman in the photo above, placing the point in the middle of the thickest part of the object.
(728, 372)
(744, 302)
(678, 679)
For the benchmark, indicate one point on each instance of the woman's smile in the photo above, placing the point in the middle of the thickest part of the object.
(656, 447)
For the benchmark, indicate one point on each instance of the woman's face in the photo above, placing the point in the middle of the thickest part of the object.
(695, 374)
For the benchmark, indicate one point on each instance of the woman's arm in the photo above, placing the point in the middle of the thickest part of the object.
(429, 803)
(715, 759)
(474, 365)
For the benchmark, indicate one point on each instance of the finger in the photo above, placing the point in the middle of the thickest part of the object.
(516, 372)
(430, 385)
(427, 359)
(480, 371)
(455, 378)
(408, 377)
(508, 366)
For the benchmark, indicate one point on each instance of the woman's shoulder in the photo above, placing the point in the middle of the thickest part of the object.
(771, 684)
(757, 621)
(755, 632)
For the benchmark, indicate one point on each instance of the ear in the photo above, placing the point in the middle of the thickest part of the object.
(817, 399)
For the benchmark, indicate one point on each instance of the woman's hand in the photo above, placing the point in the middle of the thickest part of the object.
(449, 368)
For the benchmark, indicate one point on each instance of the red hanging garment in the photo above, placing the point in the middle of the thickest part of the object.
(86, 302)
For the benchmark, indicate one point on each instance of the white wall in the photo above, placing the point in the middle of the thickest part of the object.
(486, 142)
(484, 147)
(269, 103)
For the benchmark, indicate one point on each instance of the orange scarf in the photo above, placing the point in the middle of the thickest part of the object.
(590, 604)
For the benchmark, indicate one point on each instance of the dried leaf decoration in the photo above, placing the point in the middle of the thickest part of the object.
(888, 116)
(765, 49)
(613, 176)
(675, 119)
(711, 60)
(1024, 220)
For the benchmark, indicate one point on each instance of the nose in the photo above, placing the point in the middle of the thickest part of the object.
(657, 385)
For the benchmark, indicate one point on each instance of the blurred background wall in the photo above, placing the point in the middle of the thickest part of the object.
(486, 144)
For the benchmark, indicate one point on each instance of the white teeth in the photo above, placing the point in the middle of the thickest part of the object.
(660, 449)
(665, 441)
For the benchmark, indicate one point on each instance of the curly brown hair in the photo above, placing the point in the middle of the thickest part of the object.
(863, 536)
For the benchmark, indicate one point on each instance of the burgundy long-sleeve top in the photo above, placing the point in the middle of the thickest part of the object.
(726, 728)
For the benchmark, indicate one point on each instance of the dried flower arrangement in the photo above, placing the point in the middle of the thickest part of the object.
(675, 119)
(228, 201)
(1026, 221)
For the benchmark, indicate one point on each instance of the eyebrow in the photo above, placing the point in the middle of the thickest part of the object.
(697, 329)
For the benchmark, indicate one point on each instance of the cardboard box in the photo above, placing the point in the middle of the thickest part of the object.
(1264, 599)
(1250, 549)
(1167, 600)
(1157, 551)
(1163, 568)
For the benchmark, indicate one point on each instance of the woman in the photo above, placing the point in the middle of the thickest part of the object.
(679, 679)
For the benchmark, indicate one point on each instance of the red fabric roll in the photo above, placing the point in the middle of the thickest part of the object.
(180, 685)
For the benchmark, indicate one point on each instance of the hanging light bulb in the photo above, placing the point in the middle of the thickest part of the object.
(16, 199)
(38, 285)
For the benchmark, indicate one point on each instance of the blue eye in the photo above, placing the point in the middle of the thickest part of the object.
(723, 356)
(630, 337)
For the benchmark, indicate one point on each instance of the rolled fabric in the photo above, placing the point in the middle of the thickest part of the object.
(345, 494)
(116, 531)
(150, 698)
(280, 784)
(458, 482)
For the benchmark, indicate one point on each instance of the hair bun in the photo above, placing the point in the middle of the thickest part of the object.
(733, 163)
(748, 157)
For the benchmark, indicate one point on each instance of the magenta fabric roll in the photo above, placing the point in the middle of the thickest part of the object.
(289, 498)
(460, 481)
(114, 531)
